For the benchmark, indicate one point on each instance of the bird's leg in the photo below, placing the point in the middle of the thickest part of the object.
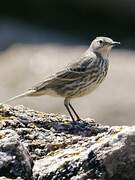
(77, 116)
(66, 103)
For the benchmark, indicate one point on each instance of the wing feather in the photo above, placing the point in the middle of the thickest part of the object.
(72, 73)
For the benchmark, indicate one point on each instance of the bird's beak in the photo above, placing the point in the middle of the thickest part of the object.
(114, 43)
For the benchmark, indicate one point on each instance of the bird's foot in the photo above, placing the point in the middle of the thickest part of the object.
(83, 123)
(79, 122)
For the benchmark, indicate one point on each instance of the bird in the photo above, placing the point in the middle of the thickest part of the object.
(78, 78)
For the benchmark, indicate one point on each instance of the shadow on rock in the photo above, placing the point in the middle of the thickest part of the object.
(25, 117)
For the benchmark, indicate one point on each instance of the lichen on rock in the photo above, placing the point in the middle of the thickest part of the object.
(37, 145)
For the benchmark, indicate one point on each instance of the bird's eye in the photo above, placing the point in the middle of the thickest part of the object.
(100, 41)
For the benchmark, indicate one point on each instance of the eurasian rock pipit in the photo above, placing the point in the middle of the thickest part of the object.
(79, 78)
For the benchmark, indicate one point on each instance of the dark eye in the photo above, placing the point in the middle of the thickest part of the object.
(100, 41)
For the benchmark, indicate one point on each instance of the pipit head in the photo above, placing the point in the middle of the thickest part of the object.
(103, 46)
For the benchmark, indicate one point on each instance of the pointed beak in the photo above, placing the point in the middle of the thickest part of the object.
(114, 43)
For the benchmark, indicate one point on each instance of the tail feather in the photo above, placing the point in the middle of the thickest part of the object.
(30, 92)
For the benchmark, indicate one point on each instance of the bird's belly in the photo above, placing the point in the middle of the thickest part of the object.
(86, 88)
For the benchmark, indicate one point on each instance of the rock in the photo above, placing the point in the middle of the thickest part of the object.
(109, 155)
(15, 160)
(61, 149)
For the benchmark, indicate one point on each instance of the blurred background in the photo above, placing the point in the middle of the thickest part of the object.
(40, 37)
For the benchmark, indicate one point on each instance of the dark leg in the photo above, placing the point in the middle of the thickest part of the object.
(77, 116)
(66, 103)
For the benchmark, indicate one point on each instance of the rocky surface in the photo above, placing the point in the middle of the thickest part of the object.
(36, 145)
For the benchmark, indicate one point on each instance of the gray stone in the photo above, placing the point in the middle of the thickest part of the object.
(14, 157)
(108, 156)
(62, 149)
